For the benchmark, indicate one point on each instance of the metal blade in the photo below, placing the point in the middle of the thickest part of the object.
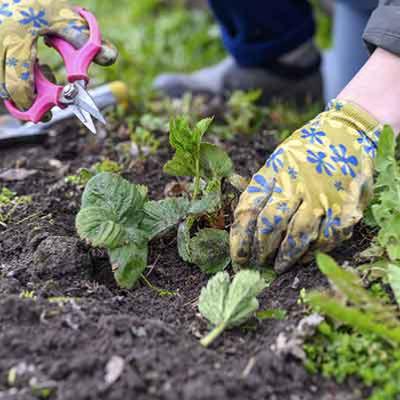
(85, 102)
(84, 117)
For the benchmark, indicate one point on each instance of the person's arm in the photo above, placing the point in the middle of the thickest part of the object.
(377, 85)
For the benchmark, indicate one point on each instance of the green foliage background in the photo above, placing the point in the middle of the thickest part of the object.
(155, 36)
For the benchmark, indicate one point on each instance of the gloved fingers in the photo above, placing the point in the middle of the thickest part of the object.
(272, 224)
(18, 72)
(75, 31)
(336, 227)
(4, 95)
(302, 231)
(251, 202)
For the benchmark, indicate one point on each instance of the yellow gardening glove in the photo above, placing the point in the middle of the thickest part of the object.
(22, 22)
(311, 191)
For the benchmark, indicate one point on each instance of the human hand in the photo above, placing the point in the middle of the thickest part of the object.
(311, 191)
(22, 22)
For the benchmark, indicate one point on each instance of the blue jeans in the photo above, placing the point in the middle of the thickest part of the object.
(349, 52)
(257, 32)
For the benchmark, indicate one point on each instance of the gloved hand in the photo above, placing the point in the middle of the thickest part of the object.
(311, 191)
(22, 22)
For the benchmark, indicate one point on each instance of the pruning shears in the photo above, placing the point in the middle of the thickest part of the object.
(74, 95)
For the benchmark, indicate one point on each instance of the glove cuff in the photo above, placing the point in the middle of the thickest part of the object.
(357, 118)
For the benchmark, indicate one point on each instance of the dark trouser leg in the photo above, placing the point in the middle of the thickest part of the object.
(256, 32)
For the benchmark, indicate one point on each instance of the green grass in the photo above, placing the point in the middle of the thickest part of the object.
(155, 36)
(342, 353)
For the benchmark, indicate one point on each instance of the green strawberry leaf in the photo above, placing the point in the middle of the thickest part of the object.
(161, 216)
(115, 194)
(214, 162)
(227, 304)
(99, 226)
(209, 250)
(129, 262)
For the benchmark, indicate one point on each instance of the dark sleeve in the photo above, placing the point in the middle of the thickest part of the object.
(383, 28)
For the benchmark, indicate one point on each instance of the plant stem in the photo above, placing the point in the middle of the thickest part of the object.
(159, 291)
(196, 189)
(207, 340)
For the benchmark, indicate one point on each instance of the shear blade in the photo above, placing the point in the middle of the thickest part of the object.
(85, 118)
(84, 101)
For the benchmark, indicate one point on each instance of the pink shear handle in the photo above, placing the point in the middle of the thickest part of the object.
(77, 63)
(47, 96)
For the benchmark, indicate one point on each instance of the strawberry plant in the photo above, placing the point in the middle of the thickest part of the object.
(226, 304)
(111, 217)
(208, 165)
(116, 215)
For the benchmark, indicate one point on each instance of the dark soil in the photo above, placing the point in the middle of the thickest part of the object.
(62, 318)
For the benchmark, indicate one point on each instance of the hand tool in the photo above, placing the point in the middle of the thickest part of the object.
(73, 95)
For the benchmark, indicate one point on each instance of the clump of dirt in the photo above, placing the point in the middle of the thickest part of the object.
(65, 327)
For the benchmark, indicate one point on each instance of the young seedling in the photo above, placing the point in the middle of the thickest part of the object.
(195, 158)
(243, 114)
(10, 200)
(144, 142)
(208, 165)
(84, 174)
(226, 304)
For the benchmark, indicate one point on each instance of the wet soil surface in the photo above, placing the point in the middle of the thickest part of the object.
(67, 332)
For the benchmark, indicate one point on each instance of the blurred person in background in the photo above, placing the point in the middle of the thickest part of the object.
(270, 46)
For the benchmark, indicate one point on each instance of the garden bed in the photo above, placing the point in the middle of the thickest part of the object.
(66, 325)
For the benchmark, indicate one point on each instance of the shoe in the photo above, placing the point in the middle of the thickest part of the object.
(294, 76)
(328, 6)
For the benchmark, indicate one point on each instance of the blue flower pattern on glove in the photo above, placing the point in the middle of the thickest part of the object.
(11, 62)
(334, 105)
(313, 135)
(3, 92)
(295, 247)
(265, 187)
(5, 11)
(292, 250)
(292, 173)
(275, 161)
(282, 207)
(369, 146)
(77, 27)
(345, 161)
(269, 227)
(339, 186)
(26, 74)
(38, 19)
(331, 223)
(321, 165)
